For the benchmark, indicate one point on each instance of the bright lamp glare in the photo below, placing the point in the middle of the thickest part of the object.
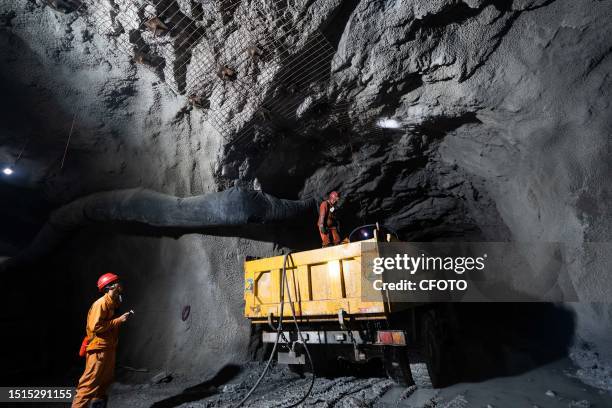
(333, 268)
(8, 171)
(387, 123)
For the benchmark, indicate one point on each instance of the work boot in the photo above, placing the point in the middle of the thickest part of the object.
(98, 403)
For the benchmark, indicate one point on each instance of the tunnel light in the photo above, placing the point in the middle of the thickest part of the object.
(387, 123)
(7, 171)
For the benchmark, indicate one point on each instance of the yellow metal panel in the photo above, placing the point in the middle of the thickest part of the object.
(356, 306)
(295, 282)
(321, 282)
(351, 269)
(336, 280)
(323, 307)
(307, 257)
(305, 285)
(266, 287)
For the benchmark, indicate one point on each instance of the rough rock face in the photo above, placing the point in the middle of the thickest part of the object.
(504, 134)
(529, 96)
(130, 131)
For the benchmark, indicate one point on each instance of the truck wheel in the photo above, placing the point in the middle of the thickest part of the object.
(434, 350)
(397, 366)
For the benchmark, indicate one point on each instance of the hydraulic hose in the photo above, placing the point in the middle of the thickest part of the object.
(297, 327)
(279, 329)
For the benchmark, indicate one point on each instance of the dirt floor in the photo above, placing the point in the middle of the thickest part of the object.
(549, 386)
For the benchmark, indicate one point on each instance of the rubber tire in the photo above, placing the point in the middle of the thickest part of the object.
(433, 336)
(397, 366)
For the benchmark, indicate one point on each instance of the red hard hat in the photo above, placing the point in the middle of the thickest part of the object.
(334, 194)
(106, 279)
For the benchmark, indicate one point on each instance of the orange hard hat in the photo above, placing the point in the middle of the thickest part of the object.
(333, 194)
(106, 279)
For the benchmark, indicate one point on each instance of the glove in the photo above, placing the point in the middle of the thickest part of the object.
(83, 349)
(323, 229)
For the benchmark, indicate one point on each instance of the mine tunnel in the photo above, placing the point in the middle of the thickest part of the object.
(214, 183)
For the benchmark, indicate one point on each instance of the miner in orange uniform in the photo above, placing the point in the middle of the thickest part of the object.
(327, 223)
(100, 344)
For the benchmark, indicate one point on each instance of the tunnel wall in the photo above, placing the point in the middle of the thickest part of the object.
(162, 276)
(517, 93)
(130, 131)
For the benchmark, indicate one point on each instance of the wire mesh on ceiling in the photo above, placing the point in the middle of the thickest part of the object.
(243, 63)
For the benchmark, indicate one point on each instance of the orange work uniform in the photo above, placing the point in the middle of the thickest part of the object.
(103, 333)
(327, 221)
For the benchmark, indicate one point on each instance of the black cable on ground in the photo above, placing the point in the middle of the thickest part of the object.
(297, 327)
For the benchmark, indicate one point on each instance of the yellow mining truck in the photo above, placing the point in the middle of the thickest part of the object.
(337, 324)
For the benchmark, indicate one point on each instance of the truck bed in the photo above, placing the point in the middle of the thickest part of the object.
(322, 282)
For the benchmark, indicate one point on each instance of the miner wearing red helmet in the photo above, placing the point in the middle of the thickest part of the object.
(328, 224)
(100, 344)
